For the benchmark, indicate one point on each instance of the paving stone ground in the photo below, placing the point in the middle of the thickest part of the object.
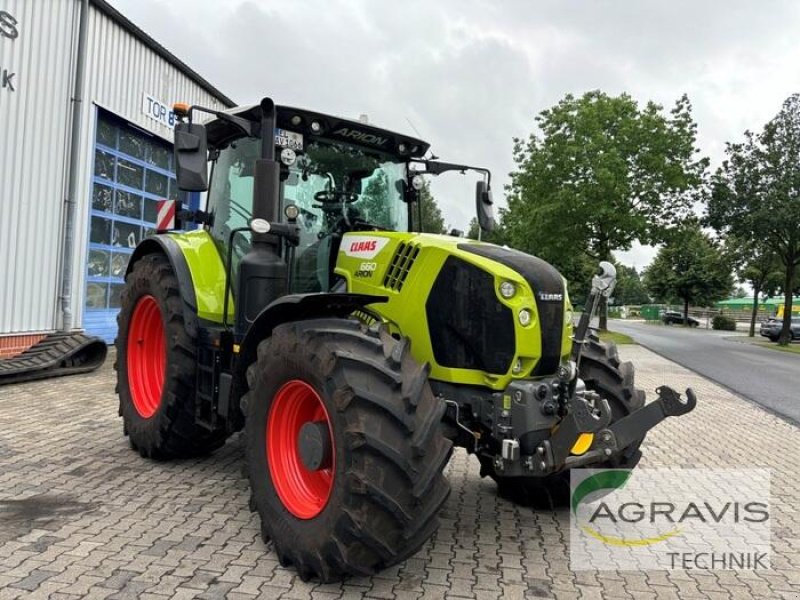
(81, 515)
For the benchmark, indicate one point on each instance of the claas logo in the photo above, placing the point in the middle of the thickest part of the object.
(364, 246)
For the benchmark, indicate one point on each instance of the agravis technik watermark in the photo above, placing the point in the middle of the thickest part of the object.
(651, 519)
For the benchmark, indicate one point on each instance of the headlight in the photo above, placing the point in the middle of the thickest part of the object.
(291, 211)
(525, 317)
(507, 289)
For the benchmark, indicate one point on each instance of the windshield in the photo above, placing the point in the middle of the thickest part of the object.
(337, 188)
(337, 185)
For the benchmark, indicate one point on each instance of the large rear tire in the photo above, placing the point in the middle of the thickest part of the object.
(604, 373)
(156, 366)
(372, 496)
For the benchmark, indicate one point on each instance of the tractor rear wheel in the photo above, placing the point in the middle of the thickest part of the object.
(156, 366)
(345, 449)
(604, 373)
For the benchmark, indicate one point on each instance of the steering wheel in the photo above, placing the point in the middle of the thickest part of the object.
(335, 197)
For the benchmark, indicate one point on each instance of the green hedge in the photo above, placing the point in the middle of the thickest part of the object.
(723, 323)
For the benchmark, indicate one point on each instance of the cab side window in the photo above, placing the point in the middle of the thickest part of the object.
(230, 197)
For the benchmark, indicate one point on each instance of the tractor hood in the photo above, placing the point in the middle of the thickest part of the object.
(444, 293)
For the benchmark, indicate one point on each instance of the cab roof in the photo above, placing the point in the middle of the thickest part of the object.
(298, 120)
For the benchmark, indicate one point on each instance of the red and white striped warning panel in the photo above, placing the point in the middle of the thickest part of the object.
(166, 215)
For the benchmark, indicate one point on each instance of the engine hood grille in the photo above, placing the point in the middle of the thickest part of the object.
(548, 288)
(400, 267)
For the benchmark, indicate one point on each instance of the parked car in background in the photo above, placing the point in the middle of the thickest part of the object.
(673, 317)
(771, 328)
(767, 326)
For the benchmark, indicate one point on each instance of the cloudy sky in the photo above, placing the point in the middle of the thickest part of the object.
(469, 75)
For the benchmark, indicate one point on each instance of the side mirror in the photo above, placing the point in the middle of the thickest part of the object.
(191, 157)
(483, 203)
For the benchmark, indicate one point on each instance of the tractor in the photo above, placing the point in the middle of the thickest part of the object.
(304, 307)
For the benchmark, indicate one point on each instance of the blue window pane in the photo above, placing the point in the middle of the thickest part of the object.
(100, 231)
(114, 295)
(107, 133)
(126, 235)
(156, 184)
(104, 165)
(132, 143)
(96, 295)
(98, 263)
(119, 262)
(130, 174)
(150, 210)
(129, 204)
(103, 198)
(159, 156)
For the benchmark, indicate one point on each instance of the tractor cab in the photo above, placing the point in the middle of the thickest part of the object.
(334, 176)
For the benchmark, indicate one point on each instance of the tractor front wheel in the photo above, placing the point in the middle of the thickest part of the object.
(156, 366)
(344, 445)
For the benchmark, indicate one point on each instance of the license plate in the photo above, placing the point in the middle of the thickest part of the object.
(288, 139)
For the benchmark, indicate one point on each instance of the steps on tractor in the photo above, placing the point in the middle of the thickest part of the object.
(55, 355)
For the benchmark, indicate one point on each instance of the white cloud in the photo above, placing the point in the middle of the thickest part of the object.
(472, 74)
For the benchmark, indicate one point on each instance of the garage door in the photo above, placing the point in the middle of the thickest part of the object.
(132, 170)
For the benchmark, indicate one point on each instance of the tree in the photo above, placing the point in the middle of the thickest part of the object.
(629, 288)
(756, 195)
(375, 204)
(691, 268)
(432, 219)
(757, 265)
(601, 173)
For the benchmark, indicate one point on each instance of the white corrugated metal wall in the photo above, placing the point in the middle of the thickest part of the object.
(34, 120)
(120, 70)
(34, 123)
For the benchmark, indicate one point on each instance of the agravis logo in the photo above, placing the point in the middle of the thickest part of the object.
(670, 519)
(610, 480)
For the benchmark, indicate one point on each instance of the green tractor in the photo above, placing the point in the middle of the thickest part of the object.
(354, 351)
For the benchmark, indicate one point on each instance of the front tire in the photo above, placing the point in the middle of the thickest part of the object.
(156, 366)
(372, 496)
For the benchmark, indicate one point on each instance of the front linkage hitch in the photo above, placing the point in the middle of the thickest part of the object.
(609, 440)
(589, 413)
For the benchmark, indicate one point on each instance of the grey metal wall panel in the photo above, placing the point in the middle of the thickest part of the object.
(33, 137)
(34, 127)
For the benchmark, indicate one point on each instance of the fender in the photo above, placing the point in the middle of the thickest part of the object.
(293, 307)
(168, 247)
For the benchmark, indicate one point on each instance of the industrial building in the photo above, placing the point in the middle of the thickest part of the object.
(85, 153)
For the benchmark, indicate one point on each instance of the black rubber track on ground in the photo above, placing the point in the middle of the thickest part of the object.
(56, 355)
(390, 450)
(172, 431)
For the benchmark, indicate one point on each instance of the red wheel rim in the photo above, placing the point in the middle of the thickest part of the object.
(147, 356)
(303, 492)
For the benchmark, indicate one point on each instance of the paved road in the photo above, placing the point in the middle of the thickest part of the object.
(768, 377)
(82, 516)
